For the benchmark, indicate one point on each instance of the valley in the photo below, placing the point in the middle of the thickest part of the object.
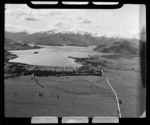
(36, 90)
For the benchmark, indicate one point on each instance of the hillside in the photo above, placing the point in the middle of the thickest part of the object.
(55, 39)
(120, 47)
(11, 44)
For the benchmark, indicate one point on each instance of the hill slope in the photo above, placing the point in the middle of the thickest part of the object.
(120, 47)
(11, 44)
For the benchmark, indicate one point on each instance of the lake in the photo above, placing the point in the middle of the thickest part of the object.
(53, 55)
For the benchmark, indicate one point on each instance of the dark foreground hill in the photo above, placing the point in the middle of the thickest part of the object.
(120, 48)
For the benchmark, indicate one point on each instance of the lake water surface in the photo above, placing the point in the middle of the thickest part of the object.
(53, 55)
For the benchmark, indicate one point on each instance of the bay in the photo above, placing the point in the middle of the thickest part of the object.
(53, 55)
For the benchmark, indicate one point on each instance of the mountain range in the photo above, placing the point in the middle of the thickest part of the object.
(123, 46)
(54, 39)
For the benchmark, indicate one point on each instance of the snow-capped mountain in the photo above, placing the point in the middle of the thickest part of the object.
(55, 38)
(64, 37)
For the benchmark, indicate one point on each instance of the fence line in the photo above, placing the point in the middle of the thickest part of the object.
(119, 111)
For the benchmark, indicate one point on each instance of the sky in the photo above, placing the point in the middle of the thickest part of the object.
(124, 22)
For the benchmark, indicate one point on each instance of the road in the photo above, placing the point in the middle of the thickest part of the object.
(117, 100)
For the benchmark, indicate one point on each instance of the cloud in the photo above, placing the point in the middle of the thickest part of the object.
(55, 13)
(9, 27)
(87, 22)
(18, 28)
(27, 14)
(99, 21)
(59, 24)
(79, 18)
(15, 12)
(62, 26)
(29, 18)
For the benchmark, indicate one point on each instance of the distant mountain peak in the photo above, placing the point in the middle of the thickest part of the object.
(55, 31)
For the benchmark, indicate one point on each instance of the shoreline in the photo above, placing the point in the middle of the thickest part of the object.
(14, 68)
(91, 65)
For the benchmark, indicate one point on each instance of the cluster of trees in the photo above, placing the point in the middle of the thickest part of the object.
(47, 73)
(21, 70)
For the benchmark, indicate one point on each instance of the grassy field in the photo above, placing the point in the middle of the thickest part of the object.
(74, 95)
(26, 96)
(62, 96)
(130, 91)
